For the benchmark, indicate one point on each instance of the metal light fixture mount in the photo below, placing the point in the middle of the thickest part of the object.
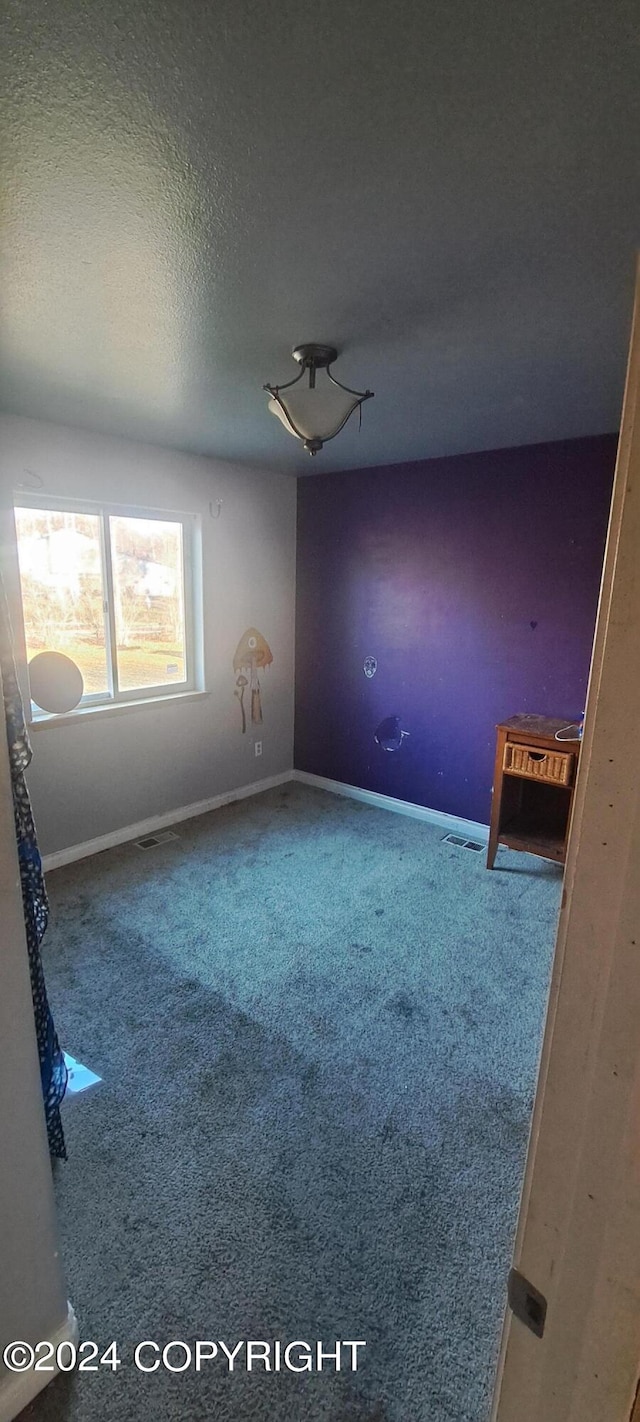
(315, 412)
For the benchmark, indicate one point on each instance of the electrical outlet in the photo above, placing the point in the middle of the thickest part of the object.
(257, 747)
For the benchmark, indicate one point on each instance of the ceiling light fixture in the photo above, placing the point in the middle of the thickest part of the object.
(315, 412)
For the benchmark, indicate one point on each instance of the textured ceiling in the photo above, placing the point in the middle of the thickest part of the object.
(449, 192)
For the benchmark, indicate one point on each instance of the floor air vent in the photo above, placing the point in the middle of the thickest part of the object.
(463, 843)
(151, 840)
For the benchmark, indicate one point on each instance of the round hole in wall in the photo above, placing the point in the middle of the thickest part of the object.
(390, 735)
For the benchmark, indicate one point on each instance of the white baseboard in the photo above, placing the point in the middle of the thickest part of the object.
(158, 822)
(449, 824)
(17, 1390)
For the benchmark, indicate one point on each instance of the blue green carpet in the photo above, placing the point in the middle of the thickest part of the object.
(318, 1028)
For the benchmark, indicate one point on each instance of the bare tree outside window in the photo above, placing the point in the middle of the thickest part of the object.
(148, 599)
(109, 590)
(63, 598)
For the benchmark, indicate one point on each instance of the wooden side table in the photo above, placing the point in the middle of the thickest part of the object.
(533, 787)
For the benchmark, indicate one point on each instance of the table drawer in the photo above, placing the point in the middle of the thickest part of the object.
(556, 767)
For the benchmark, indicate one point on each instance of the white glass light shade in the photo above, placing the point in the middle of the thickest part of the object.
(317, 413)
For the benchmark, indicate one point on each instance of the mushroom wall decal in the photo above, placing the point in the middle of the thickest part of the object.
(239, 692)
(252, 653)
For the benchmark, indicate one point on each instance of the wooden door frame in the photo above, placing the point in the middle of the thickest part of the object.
(578, 1237)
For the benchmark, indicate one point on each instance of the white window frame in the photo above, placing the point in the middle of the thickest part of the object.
(190, 523)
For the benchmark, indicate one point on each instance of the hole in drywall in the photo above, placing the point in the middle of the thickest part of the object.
(390, 735)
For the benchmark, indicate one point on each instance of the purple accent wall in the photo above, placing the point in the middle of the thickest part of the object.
(474, 582)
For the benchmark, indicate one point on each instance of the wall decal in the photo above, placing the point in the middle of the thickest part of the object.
(252, 652)
(389, 734)
(239, 692)
(370, 666)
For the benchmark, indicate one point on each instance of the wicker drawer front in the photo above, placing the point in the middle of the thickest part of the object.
(553, 766)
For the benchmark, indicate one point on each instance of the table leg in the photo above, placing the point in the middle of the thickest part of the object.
(496, 801)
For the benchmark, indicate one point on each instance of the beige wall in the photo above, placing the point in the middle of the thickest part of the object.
(92, 777)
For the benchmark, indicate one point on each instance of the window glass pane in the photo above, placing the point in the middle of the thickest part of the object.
(148, 594)
(62, 592)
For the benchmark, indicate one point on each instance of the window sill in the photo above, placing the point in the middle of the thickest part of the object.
(114, 708)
